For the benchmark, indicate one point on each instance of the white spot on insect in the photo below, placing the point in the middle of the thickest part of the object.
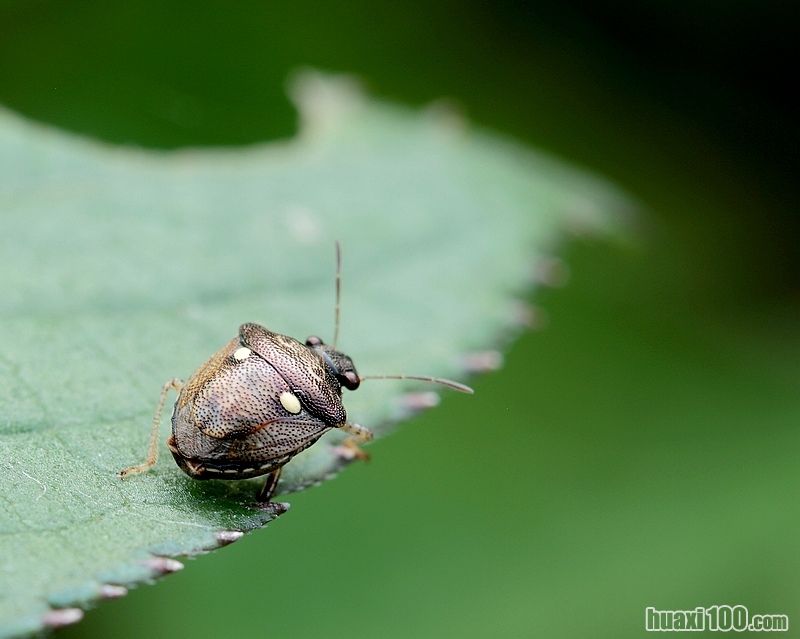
(290, 402)
(242, 353)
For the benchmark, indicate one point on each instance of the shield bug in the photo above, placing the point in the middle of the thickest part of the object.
(260, 400)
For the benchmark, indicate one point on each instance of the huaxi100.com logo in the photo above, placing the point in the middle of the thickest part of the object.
(719, 618)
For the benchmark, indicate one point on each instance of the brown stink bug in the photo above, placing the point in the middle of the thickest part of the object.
(260, 400)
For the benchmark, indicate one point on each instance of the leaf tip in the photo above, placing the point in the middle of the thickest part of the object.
(112, 591)
(60, 617)
(527, 316)
(325, 101)
(415, 402)
(482, 361)
(275, 508)
(225, 537)
(551, 272)
(163, 565)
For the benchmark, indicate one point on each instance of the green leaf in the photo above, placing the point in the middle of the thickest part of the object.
(123, 268)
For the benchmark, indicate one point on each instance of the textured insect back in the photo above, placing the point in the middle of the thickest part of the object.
(267, 399)
(305, 372)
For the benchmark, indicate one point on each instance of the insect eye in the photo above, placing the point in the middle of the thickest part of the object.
(313, 340)
(351, 380)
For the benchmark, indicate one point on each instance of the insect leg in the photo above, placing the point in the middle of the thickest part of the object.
(269, 486)
(359, 434)
(152, 449)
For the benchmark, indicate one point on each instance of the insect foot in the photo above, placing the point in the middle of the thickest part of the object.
(152, 447)
(349, 449)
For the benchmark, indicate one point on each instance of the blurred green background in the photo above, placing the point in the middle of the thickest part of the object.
(640, 449)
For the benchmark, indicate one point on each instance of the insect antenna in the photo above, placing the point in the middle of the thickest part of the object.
(337, 305)
(456, 386)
